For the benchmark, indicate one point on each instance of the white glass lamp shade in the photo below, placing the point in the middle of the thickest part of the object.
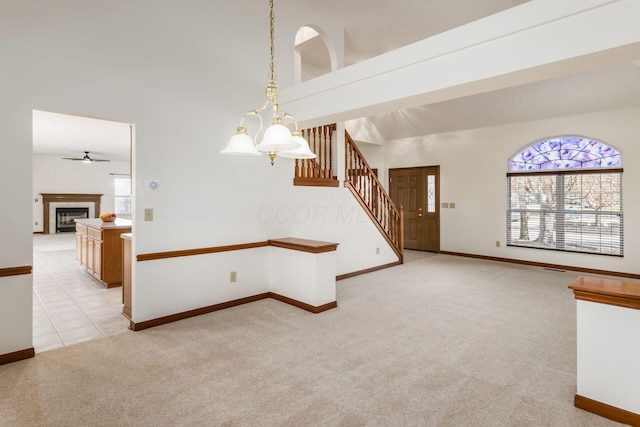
(303, 152)
(241, 144)
(277, 138)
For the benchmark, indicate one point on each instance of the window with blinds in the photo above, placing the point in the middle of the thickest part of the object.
(122, 187)
(554, 204)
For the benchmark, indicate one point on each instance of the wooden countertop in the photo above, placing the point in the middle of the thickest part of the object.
(606, 291)
(97, 223)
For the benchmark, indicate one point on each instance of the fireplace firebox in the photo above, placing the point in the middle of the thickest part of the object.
(65, 218)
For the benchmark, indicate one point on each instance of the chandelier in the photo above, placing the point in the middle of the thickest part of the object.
(277, 140)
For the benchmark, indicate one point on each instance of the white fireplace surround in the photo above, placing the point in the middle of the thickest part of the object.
(54, 205)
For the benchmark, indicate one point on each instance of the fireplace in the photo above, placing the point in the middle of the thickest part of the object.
(53, 201)
(65, 218)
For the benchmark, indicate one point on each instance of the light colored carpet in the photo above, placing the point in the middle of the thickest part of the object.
(439, 341)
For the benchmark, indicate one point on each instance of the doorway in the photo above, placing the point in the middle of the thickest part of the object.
(69, 304)
(417, 190)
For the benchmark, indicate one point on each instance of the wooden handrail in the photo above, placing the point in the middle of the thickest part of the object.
(364, 184)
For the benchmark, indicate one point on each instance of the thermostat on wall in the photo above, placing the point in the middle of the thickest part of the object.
(150, 184)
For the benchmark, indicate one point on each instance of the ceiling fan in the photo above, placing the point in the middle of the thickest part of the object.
(86, 158)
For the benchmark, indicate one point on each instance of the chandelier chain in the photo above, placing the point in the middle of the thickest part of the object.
(272, 72)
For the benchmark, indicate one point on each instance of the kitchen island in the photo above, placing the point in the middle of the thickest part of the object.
(99, 248)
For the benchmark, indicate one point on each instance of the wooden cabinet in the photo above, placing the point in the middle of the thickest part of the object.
(97, 259)
(99, 248)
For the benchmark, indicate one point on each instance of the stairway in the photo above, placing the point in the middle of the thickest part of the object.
(359, 178)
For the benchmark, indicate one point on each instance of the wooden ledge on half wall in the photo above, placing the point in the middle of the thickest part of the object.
(304, 245)
(607, 291)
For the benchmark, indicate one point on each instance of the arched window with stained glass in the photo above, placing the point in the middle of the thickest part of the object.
(565, 193)
(565, 152)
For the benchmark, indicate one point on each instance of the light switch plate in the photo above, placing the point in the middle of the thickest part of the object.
(148, 214)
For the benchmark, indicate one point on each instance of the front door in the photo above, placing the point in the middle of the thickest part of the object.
(417, 191)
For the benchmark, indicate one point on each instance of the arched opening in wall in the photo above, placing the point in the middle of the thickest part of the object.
(313, 56)
(81, 170)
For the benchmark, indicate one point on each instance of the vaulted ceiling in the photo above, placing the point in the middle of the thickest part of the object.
(376, 27)
(373, 28)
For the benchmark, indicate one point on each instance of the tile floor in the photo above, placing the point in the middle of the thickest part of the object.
(69, 305)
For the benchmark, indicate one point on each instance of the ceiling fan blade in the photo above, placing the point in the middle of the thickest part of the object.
(86, 158)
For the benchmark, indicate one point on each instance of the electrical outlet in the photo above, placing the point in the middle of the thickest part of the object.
(36, 223)
(377, 251)
(497, 243)
(148, 214)
(232, 276)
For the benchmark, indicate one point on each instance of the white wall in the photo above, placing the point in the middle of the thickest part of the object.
(608, 348)
(51, 174)
(473, 166)
(183, 73)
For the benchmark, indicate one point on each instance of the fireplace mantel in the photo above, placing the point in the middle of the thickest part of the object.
(67, 198)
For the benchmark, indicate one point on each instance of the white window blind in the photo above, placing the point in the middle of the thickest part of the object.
(566, 210)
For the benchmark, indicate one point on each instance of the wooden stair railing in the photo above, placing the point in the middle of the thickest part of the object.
(318, 171)
(364, 184)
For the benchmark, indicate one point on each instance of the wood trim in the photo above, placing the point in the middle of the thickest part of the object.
(224, 305)
(604, 291)
(312, 246)
(362, 203)
(199, 251)
(15, 356)
(316, 182)
(367, 270)
(606, 299)
(545, 265)
(304, 245)
(307, 307)
(565, 172)
(607, 411)
(126, 312)
(59, 197)
(195, 312)
(15, 271)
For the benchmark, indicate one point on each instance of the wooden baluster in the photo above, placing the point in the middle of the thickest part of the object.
(321, 151)
(324, 151)
(368, 182)
(325, 146)
(347, 160)
(333, 128)
(327, 156)
(303, 165)
(315, 150)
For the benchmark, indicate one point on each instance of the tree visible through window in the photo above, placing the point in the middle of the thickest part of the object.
(565, 194)
(123, 196)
